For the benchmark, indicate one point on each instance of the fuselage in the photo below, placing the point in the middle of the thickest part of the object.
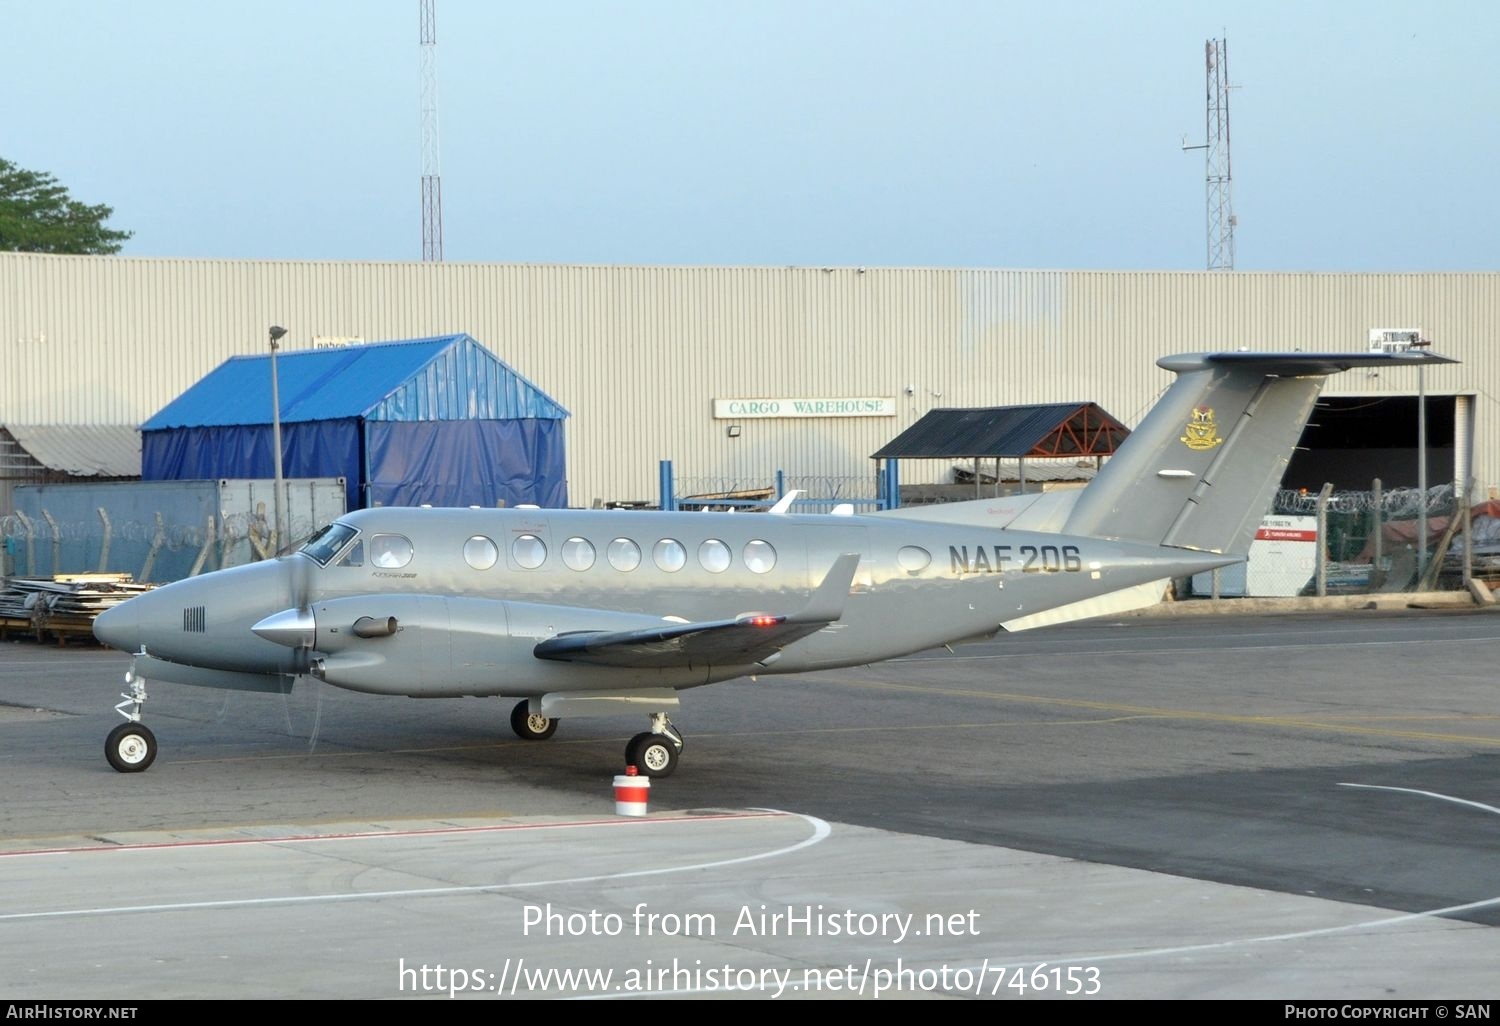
(474, 590)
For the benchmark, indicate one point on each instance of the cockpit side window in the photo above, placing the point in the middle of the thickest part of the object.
(355, 556)
(326, 542)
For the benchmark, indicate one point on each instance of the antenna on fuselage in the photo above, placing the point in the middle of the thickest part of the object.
(785, 502)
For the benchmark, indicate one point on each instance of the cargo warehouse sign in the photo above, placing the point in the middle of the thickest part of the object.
(744, 409)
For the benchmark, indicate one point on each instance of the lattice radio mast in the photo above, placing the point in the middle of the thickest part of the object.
(1217, 170)
(432, 177)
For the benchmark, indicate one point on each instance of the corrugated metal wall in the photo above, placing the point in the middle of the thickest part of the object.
(639, 353)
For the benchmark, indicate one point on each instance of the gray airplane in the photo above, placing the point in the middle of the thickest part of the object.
(584, 612)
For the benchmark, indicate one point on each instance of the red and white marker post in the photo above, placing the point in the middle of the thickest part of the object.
(632, 791)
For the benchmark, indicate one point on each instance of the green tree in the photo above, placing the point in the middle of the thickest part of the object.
(38, 216)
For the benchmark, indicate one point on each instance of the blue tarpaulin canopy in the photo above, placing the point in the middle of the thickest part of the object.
(440, 421)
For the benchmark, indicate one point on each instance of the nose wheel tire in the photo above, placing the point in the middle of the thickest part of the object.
(530, 726)
(654, 755)
(130, 747)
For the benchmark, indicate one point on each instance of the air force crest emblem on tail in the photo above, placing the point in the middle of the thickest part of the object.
(1202, 431)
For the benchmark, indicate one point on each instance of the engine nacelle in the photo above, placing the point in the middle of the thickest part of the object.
(440, 646)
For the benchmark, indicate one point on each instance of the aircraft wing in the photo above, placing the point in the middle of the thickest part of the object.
(747, 638)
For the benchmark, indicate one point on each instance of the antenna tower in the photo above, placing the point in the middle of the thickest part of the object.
(1221, 220)
(432, 177)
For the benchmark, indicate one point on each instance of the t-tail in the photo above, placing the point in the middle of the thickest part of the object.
(1203, 467)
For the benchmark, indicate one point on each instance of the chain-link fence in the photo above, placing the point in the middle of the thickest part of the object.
(1372, 540)
(155, 531)
(1357, 542)
(1311, 543)
(157, 550)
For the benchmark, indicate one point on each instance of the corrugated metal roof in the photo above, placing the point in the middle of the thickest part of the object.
(451, 377)
(1048, 430)
(84, 450)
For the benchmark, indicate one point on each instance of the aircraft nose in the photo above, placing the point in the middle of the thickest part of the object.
(120, 626)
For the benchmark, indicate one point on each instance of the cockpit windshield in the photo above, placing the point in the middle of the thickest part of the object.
(326, 542)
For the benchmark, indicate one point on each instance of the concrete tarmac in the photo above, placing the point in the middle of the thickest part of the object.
(1293, 806)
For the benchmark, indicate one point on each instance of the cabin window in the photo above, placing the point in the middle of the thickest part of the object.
(480, 552)
(913, 559)
(669, 555)
(390, 551)
(355, 556)
(713, 556)
(624, 554)
(760, 556)
(578, 553)
(529, 551)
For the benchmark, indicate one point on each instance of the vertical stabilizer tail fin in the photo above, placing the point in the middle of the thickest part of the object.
(1202, 469)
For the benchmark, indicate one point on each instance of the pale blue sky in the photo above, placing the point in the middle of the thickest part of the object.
(950, 133)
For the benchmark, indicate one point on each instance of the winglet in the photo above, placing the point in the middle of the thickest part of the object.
(827, 602)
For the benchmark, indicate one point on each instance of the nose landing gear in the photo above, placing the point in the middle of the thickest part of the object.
(131, 747)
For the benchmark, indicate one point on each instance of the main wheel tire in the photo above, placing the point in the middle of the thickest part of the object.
(130, 747)
(530, 726)
(652, 754)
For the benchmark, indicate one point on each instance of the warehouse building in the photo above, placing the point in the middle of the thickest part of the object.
(736, 373)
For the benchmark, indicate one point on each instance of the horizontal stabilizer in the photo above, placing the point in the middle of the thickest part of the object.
(746, 639)
(1289, 365)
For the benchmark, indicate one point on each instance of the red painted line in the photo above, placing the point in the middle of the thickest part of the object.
(370, 834)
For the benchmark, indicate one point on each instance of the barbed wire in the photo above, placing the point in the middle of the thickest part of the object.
(232, 528)
(825, 486)
(1394, 504)
(150, 550)
(707, 485)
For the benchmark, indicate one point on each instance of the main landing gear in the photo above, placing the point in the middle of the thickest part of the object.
(655, 752)
(530, 726)
(131, 746)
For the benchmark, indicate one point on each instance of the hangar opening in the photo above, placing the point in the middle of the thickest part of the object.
(1352, 440)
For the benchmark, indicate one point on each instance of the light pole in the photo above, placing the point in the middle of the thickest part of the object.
(276, 333)
(1419, 343)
